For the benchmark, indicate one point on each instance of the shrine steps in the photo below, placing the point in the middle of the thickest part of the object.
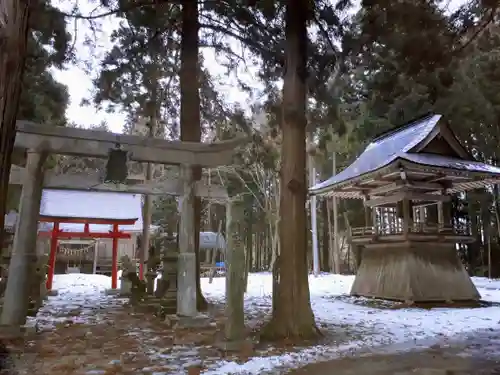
(413, 272)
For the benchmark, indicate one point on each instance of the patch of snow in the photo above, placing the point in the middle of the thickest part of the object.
(81, 296)
(81, 283)
(332, 306)
(334, 309)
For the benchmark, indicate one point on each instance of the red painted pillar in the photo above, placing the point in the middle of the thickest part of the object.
(52, 256)
(114, 270)
(141, 271)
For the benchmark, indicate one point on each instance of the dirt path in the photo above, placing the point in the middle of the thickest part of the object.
(117, 340)
(478, 354)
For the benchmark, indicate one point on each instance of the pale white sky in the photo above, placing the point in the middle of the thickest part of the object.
(79, 81)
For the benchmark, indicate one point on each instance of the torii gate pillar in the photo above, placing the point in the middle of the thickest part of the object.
(15, 307)
(186, 277)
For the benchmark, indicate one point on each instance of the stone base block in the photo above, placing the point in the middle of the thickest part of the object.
(197, 321)
(112, 292)
(413, 272)
(171, 320)
(125, 287)
(52, 293)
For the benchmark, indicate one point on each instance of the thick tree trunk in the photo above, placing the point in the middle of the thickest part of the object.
(493, 253)
(148, 199)
(190, 111)
(292, 288)
(249, 238)
(146, 220)
(261, 235)
(14, 15)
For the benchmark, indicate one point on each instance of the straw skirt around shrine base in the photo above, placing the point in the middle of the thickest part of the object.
(413, 271)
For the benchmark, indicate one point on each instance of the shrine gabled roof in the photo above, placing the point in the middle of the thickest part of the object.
(400, 144)
(71, 204)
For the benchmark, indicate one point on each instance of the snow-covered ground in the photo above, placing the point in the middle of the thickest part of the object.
(331, 305)
(333, 308)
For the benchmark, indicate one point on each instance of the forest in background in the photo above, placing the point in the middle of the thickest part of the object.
(367, 70)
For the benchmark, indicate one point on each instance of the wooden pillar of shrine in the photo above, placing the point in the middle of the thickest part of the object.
(16, 300)
(374, 220)
(431, 214)
(367, 217)
(52, 255)
(421, 214)
(440, 214)
(114, 265)
(444, 213)
(407, 217)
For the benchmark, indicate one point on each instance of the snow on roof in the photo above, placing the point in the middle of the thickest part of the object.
(398, 144)
(212, 240)
(383, 150)
(91, 205)
(453, 163)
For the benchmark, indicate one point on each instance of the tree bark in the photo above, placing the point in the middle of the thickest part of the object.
(14, 17)
(148, 199)
(190, 112)
(248, 238)
(292, 289)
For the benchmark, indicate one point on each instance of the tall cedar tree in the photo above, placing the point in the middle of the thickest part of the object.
(14, 16)
(190, 110)
(292, 314)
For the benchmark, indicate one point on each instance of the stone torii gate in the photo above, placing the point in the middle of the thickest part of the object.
(41, 141)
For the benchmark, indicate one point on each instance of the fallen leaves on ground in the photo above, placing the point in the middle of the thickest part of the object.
(127, 340)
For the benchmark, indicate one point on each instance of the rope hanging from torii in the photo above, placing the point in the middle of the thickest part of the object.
(68, 251)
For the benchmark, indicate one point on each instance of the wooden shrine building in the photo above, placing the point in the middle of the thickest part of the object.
(406, 178)
(109, 220)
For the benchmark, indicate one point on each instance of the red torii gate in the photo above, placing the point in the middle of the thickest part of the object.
(55, 234)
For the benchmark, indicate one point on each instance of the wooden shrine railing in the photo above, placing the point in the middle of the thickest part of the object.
(460, 229)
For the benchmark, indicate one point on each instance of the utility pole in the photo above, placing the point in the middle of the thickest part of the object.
(314, 227)
(336, 254)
